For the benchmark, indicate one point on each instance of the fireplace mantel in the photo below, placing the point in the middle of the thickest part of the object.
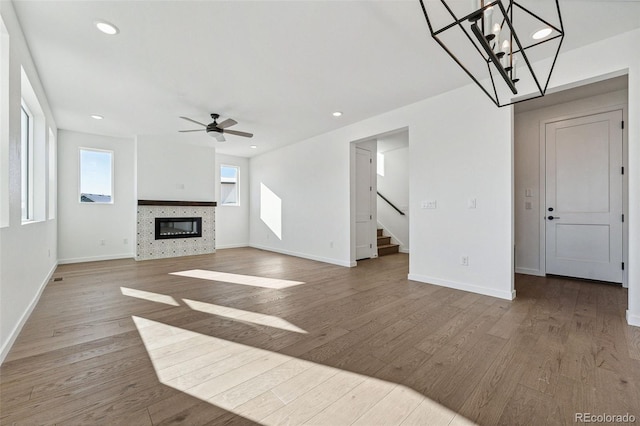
(177, 203)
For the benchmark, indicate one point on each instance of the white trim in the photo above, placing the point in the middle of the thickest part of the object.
(464, 286)
(403, 250)
(530, 271)
(96, 258)
(25, 316)
(338, 262)
(230, 246)
(633, 319)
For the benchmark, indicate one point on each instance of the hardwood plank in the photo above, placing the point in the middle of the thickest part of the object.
(372, 347)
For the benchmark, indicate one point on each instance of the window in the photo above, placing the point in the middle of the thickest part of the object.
(229, 187)
(33, 160)
(96, 176)
(53, 170)
(26, 155)
(4, 125)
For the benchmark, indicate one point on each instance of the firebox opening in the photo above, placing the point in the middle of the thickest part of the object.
(178, 227)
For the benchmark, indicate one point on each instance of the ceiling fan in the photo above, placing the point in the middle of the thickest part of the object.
(216, 129)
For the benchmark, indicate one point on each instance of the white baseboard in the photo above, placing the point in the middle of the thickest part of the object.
(338, 262)
(633, 319)
(529, 271)
(228, 246)
(96, 258)
(404, 250)
(25, 316)
(508, 295)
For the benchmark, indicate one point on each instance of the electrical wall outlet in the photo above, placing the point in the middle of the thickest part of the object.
(103, 242)
(429, 204)
(464, 260)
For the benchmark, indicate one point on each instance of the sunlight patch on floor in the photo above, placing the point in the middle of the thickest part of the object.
(150, 296)
(249, 280)
(272, 388)
(242, 315)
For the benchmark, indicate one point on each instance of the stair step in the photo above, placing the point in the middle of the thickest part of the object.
(383, 241)
(388, 249)
(379, 232)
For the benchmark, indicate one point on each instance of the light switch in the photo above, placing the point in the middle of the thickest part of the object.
(528, 192)
(473, 203)
(527, 205)
(429, 204)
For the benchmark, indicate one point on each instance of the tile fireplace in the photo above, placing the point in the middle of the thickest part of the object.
(174, 228)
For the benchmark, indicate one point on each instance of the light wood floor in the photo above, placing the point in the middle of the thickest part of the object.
(246, 336)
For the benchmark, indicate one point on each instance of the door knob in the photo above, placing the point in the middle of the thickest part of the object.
(550, 209)
(551, 217)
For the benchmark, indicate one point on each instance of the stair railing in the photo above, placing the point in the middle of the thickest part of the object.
(390, 203)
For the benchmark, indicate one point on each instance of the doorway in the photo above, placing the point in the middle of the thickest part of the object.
(569, 156)
(368, 236)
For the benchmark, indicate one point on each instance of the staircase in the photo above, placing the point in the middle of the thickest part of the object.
(385, 246)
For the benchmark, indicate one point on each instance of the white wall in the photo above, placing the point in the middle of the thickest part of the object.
(83, 226)
(170, 170)
(311, 178)
(527, 149)
(394, 185)
(232, 222)
(449, 163)
(27, 252)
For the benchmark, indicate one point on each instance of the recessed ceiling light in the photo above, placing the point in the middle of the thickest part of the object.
(337, 114)
(253, 146)
(96, 117)
(542, 33)
(106, 27)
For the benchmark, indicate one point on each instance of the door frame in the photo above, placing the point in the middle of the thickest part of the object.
(625, 183)
(352, 193)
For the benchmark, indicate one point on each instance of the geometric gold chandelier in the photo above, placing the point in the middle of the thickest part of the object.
(508, 47)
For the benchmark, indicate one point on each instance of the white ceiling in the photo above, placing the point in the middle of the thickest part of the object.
(280, 68)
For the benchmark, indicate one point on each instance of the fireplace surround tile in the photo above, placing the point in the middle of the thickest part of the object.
(150, 248)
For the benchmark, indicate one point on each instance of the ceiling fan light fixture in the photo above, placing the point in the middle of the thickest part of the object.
(106, 27)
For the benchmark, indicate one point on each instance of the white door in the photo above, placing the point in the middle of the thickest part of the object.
(584, 197)
(364, 230)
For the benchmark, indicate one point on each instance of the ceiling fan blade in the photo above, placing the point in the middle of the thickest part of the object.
(227, 123)
(238, 133)
(193, 121)
(196, 130)
(219, 137)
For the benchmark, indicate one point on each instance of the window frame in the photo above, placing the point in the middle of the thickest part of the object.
(112, 153)
(26, 163)
(237, 185)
